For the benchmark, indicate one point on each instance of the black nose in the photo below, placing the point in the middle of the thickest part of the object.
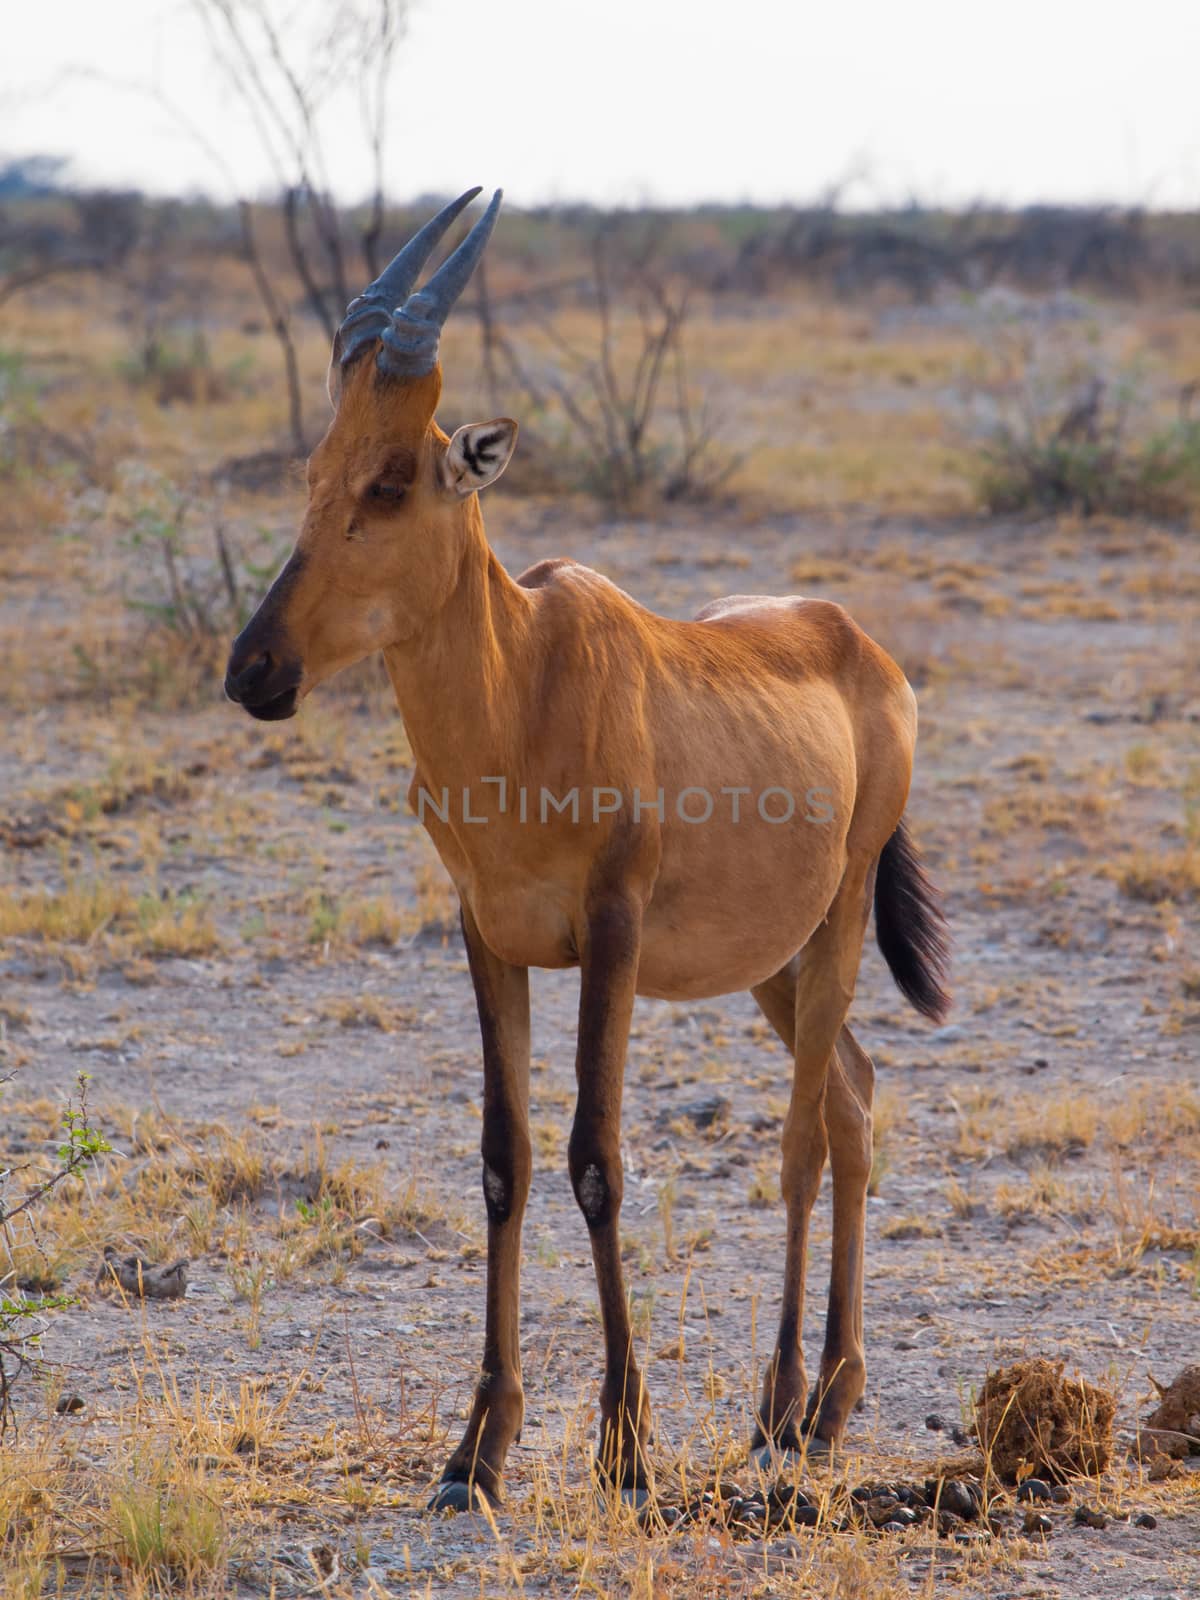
(245, 680)
(266, 684)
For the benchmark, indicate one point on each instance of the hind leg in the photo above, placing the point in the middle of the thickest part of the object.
(820, 986)
(848, 1121)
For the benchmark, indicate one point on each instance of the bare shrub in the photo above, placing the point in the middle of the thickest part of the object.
(192, 581)
(623, 418)
(54, 233)
(284, 66)
(1064, 431)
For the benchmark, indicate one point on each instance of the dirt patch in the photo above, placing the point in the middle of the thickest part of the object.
(1034, 1420)
(295, 1109)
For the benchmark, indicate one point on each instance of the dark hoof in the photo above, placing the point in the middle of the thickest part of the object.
(635, 1498)
(786, 1458)
(453, 1495)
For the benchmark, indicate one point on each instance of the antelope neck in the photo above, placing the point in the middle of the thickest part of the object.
(458, 681)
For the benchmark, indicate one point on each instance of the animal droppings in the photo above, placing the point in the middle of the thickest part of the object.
(1029, 1415)
(1034, 1489)
(1178, 1408)
(1090, 1517)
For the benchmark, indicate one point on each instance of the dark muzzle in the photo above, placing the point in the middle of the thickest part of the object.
(263, 674)
(266, 686)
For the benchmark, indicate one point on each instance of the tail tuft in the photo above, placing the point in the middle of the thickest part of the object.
(911, 928)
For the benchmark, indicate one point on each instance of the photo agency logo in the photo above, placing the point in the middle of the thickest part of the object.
(695, 805)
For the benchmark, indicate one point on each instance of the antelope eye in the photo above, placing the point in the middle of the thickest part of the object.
(386, 490)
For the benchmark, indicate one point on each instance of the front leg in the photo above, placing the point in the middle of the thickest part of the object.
(502, 995)
(608, 962)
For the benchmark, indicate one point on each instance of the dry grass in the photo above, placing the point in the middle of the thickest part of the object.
(190, 1471)
(1045, 1193)
(87, 910)
(1161, 876)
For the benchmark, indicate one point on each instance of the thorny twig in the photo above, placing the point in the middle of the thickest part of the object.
(22, 1322)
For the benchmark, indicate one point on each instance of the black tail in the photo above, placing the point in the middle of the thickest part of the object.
(911, 928)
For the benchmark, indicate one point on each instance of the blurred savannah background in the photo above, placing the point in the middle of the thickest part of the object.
(899, 308)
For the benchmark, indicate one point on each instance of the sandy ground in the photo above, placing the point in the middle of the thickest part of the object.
(1033, 1154)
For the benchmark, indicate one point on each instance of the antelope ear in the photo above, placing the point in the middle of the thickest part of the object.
(477, 455)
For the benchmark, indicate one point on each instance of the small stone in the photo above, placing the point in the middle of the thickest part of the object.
(324, 1559)
(935, 1423)
(703, 1113)
(68, 1404)
(1034, 1489)
(1091, 1517)
(1145, 1520)
(141, 1278)
(1037, 1522)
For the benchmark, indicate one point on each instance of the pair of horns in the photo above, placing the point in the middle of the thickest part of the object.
(407, 324)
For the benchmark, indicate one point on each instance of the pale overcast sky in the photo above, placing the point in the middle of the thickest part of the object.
(667, 101)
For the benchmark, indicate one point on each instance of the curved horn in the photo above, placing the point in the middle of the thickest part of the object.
(410, 341)
(369, 313)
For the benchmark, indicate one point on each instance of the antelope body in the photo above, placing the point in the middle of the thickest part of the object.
(610, 789)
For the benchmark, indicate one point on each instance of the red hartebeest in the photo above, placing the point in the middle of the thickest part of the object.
(679, 809)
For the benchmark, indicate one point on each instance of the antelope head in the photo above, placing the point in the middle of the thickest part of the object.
(391, 506)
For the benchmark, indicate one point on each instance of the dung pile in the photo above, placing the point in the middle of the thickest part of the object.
(1179, 1404)
(1034, 1422)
